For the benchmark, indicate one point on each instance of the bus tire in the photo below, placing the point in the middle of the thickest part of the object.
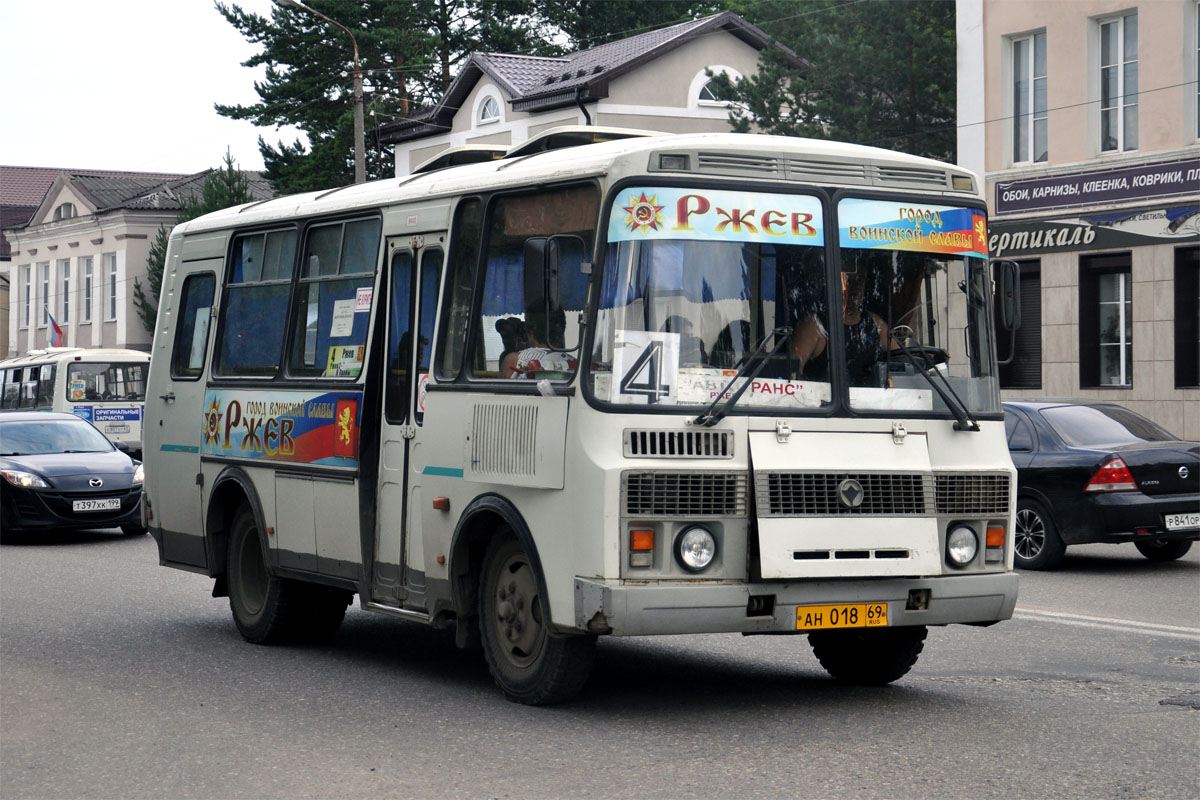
(866, 657)
(322, 609)
(265, 609)
(527, 662)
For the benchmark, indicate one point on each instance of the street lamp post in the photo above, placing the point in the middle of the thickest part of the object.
(360, 168)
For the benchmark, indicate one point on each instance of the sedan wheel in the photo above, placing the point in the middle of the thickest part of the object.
(1164, 551)
(1037, 544)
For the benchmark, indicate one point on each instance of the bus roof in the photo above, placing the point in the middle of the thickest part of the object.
(46, 355)
(754, 157)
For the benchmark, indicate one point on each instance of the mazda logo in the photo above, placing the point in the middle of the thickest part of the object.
(1183, 472)
(96, 483)
(850, 493)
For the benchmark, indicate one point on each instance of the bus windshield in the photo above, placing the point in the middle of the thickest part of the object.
(89, 381)
(696, 281)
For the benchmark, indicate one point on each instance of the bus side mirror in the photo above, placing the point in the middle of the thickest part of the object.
(1010, 294)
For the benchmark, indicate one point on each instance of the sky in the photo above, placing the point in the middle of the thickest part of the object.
(126, 85)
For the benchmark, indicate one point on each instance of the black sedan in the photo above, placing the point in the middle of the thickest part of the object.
(57, 471)
(1098, 472)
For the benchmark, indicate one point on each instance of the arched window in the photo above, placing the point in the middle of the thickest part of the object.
(489, 111)
(64, 211)
(701, 94)
(706, 94)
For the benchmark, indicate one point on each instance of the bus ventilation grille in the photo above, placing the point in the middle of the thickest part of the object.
(818, 171)
(504, 440)
(678, 444)
(972, 495)
(684, 494)
(804, 494)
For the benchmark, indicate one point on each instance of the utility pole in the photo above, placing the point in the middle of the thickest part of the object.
(360, 166)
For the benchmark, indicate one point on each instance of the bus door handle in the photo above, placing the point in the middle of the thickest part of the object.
(169, 397)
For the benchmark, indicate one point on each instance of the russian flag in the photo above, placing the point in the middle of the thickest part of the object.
(56, 339)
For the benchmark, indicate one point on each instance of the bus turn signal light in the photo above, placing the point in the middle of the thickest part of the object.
(441, 503)
(641, 548)
(995, 536)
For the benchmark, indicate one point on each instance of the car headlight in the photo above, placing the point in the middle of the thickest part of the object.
(139, 474)
(695, 548)
(26, 480)
(961, 546)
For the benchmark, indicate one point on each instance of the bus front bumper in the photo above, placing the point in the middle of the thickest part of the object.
(625, 608)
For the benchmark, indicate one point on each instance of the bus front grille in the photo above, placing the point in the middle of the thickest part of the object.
(678, 444)
(972, 495)
(664, 493)
(822, 494)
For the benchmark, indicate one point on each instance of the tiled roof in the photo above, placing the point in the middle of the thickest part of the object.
(26, 186)
(537, 83)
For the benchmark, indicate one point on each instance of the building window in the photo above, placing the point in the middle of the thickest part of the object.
(489, 111)
(1029, 98)
(1024, 370)
(26, 294)
(1119, 84)
(87, 288)
(65, 211)
(1187, 317)
(1106, 321)
(44, 278)
(64, 271)
(110, 286)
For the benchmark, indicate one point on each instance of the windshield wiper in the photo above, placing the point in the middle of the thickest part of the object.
(963, 421)
(759, 359)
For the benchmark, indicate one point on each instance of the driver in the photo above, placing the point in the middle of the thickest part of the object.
(865, 334)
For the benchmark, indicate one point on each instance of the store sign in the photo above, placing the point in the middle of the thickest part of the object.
(1143, 182)
(1094, 232)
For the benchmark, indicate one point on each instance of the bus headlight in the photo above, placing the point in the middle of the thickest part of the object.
(695, 548)
(961, 546)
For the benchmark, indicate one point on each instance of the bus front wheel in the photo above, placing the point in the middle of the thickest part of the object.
(868, 657)
(265, 608)
(528, 663)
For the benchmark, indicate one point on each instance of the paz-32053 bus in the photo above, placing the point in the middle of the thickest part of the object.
(610, 384)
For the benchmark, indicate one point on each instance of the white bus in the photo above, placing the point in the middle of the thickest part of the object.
(106, 386)
(596, 387)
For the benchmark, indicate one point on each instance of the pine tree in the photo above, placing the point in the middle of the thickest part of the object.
(222, 188)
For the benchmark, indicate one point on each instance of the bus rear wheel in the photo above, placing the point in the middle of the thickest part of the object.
(528, 662)
(868, 657)
(265, 609)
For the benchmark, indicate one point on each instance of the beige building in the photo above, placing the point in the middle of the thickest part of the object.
(656, 80)
(76, 257)
(1083, 117)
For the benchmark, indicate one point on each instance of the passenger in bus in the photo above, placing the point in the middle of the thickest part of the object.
(866, 333)
(539, 355)
(514, 337)
(691, 346)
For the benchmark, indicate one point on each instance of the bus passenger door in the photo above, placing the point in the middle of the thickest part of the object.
(414, 278)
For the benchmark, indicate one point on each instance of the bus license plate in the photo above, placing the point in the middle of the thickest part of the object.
(855, 615)
(116, 428)
(106, 504)
(1181, 522)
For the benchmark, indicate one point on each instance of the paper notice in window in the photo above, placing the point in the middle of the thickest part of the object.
(342, 323)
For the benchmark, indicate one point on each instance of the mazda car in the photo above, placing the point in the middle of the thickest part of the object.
(57, 471)
(1092, 472)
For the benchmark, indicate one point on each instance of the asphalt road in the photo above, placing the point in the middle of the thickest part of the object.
(123, 679)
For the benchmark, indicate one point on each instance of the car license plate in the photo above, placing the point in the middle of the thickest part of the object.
(1180, 522)
(105, 504)
(854, 615)
(116, 428)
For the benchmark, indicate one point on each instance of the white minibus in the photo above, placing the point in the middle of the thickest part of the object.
(106, 386)
(610, 384)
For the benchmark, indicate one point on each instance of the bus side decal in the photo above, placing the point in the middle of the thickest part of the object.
(293, 426)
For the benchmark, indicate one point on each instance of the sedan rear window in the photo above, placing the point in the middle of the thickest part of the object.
(51, 436)
(1103, 426)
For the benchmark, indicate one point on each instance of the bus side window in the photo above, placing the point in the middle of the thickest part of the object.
(45, 391)
(334, 299)
(255, 302)
(191, 332)
(12, 388)
(29, 388)
(460, 287)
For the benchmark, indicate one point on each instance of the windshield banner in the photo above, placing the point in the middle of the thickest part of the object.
(913, 226)
(658, 212)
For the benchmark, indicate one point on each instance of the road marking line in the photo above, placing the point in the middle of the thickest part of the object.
(1109, 624)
